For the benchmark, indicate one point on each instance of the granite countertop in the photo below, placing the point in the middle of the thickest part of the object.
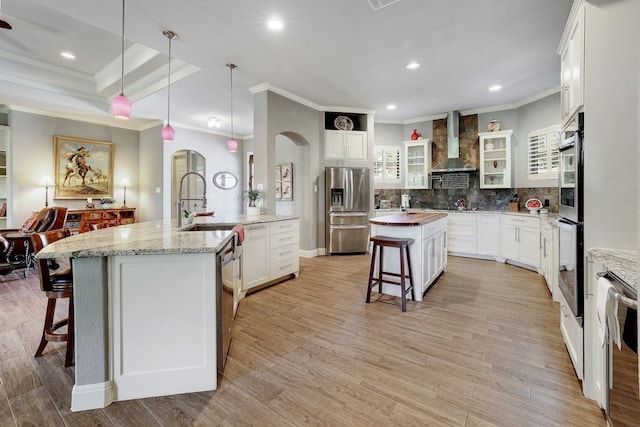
(622, 263)
(408, 219)
(151, 238)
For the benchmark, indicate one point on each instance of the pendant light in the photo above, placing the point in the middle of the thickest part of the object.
(121, 105)
(232, 144)
(167, 132)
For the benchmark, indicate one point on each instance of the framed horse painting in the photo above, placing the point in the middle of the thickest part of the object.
(83, 168)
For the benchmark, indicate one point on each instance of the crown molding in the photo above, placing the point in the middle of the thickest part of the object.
(135, 124)
(300, 100)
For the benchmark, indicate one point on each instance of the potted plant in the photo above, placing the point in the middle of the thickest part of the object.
(107, 202)
(253, 195)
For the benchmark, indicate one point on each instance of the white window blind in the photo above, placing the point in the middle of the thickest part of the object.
(386, 164)
(543, 156)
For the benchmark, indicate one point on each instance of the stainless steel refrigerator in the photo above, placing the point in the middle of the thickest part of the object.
(347, 202)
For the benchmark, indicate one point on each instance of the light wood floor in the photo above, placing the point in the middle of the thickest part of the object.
(483, 349)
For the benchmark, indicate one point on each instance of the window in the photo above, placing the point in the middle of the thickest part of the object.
(543, 154)
(386, 164)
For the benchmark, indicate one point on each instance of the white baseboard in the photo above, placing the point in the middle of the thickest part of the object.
(311, 253)
(91, 396)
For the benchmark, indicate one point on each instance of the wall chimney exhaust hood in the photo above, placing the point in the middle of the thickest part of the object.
(453, 163)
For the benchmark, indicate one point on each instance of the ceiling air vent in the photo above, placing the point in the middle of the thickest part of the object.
(379, 4)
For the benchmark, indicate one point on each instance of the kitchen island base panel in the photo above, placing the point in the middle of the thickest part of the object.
(163, 315)
(428, 252)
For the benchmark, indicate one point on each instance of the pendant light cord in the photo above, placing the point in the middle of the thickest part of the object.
(170, 35)
(122, 65)
(231, 92)
(231, 67)
(169, 81)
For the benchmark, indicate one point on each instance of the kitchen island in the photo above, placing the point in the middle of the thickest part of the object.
(145, 307)
(428, 251)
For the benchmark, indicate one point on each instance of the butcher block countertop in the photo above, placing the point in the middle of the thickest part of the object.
(409, 219)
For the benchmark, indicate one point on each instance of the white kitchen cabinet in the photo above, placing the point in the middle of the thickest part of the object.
(488, 234)
(345, 144)
(549, 256)
(270, 251)
(572, 63)
(462, 233)
(255, 253)
(572, 334)
(417, 163)
(594, 385)
(495, 159)
(434, 250)
(284, 248)
(520, 239)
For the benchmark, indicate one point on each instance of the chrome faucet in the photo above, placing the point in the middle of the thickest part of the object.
(181, 201)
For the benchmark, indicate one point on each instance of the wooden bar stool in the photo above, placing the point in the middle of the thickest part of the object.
(392, 242)
(55, 286)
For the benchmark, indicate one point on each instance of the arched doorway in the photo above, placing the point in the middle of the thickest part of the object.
(293, 149)
(184, 161)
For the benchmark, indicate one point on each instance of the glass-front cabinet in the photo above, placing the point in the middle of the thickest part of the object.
(417, 163)
(495, 159)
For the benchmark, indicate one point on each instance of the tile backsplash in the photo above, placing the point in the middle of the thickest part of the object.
(484, 199)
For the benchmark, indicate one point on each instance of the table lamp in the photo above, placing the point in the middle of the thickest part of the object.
(46, 182)
(125, 183)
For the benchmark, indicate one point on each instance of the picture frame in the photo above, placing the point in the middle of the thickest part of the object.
(278, 191)
(284, 181)
(286, 172)
(83, 168)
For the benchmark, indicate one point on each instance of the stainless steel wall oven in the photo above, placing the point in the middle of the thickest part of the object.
(571, 216)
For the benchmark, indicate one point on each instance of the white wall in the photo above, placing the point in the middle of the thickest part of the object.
(612, 60)
(32, 157)
(218, 159)
(275, 115)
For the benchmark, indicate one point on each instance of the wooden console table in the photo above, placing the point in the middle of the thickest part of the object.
(80, 221)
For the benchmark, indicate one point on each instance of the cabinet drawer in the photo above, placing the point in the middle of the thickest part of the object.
(283, 253)
(283, 239)
(283, 267)
(521, 221)
(433, 227)
(461, 243)
(283, 226)
(127, 221)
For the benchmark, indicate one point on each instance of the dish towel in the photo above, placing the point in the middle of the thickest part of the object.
(613, 322)
(607, 312)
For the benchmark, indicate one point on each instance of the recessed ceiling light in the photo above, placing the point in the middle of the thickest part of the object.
(412, 65)
(495, 88)
(275, 24)
(68, 55)
(391, 107)
(214, 122)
